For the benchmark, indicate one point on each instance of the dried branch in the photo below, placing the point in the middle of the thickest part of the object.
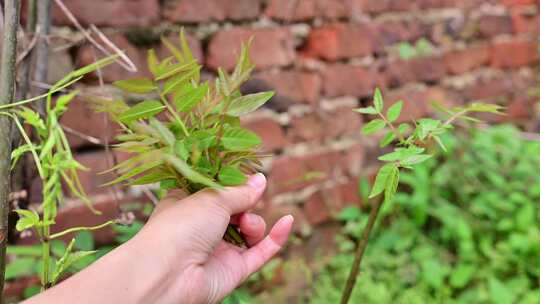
(7, 89)
(42, 47)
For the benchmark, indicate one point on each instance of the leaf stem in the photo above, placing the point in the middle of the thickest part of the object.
(76, 229)
(389, 124)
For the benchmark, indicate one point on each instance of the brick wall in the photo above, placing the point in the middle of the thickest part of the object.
(323, 57)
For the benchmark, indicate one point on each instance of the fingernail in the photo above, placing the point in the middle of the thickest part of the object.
(257, 180)
(252, 219)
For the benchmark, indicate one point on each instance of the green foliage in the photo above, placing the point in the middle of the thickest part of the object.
(197, 140)
(466, 232)
(422, 48)
(56, 166)
(410, 149)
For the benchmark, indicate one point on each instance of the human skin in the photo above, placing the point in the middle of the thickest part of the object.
(179, 256)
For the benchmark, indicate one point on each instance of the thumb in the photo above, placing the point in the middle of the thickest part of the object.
(233, 199)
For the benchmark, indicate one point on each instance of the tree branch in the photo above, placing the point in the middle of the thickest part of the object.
(42, 46)
(7, 89)
(353, 275)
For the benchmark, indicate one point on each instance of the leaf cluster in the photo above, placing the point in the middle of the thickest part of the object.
(186, 133)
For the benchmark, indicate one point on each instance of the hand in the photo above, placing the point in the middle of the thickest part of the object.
(179, 256)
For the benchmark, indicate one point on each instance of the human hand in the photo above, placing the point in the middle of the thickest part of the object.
(179, 256)
(206, 268)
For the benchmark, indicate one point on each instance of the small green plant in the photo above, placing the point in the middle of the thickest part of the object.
(55, 165)
(421, 48)
(412, 142)
(197, 142)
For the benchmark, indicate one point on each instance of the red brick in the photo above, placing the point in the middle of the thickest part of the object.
(488, 90)
(320, 126)
(272, 213)
(211, 10)
(392, 32)
(513, 54)
(270, 131)
(298, 86)
(342, 79)
(309, 9)
(271, 47)
(97, 162)
(87, 55)
(339, 41)
(83, 119)
(288, 173)
(493, 25)
(109, 12)
(316, 210)
(518, 2)
(427, 69)
(461, 61)
(353, 159)
(382, 6)
(525, 22)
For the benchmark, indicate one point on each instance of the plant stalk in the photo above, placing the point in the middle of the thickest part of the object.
(7, 90)
(355, 269)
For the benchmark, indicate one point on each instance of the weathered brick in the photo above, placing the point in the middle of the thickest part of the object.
(493, 25)
(211, 10)
(524, 21)
(97, 162)
(288, 173)
(342, 79)
(513, 53)
(518, 2)
(392, 32)
(382, 6)
(271, 47)
(320, 126)
(338, 41)
(488, 90)
(464, 60)
(109, 12)
(87, 55)
(316, 210)
(309, 9)
(298, 86)
(427, 69)
(324, 204)
(270, 131)
(83, 119)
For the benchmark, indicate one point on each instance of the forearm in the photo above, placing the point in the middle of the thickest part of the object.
(129, 274)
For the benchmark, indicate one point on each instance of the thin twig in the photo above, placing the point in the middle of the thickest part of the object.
(7, 90)
(353, 275)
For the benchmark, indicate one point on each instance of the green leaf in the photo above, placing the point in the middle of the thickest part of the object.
(153, 62)
(392, 182)
(33, 250)
(136, 85)
(231, 176)
(400, 154)
(68, 259)
(180, 80)
(394, 111)
(350, 213)
(388, 138)
(461, 275)
(373, 126)
(236, 138)
(406, 51)
(248, 103)
(367, 110)
(415, 159)
(27, 219)
(378, 100)
(188, 100)
(499, 292)
(145, 109)
(183, 168)
(84, 240)
(20, 267)
(381, 179)
(63, 101)
(404, 128)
